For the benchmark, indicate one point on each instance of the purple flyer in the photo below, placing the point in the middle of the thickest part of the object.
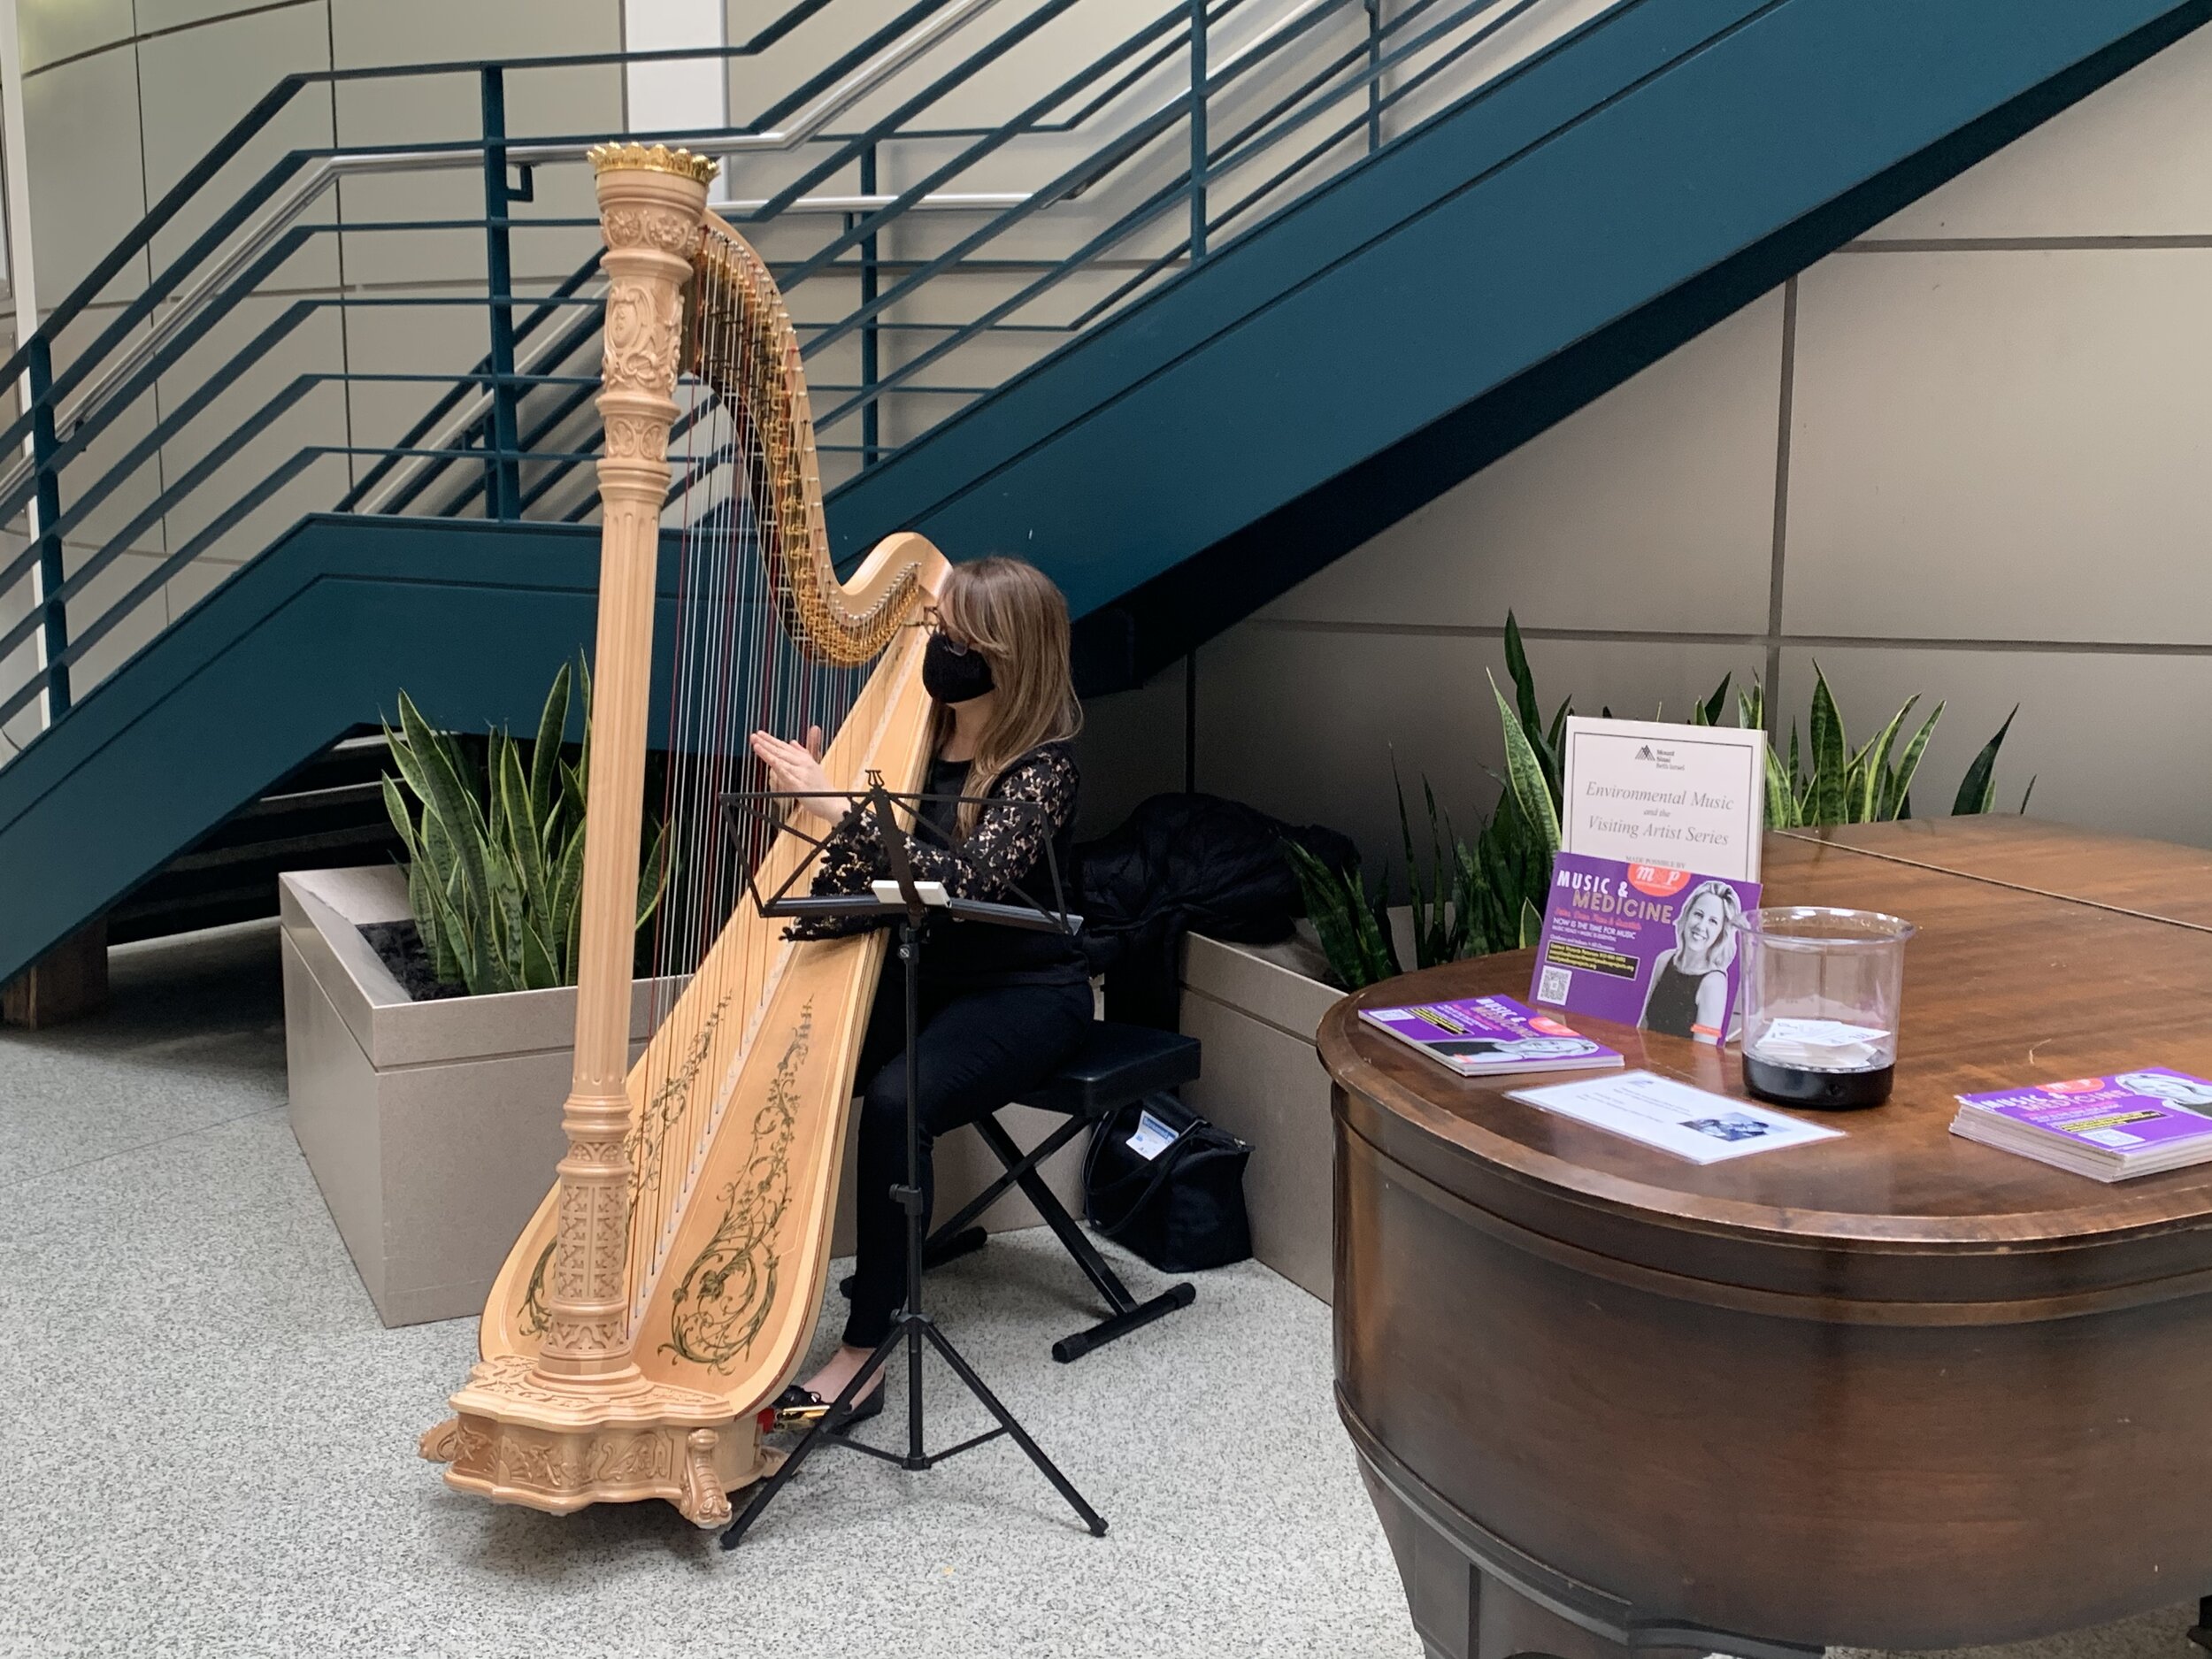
(1644, 945)
(2149, 1108)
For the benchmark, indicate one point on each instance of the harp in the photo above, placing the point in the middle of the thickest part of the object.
(668, 1286)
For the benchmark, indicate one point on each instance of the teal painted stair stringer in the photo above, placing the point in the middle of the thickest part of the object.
(308, 642)
(1390, 334)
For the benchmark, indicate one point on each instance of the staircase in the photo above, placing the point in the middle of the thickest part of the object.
(1180, 300)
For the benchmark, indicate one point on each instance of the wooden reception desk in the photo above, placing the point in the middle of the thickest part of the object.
(1893, 1391)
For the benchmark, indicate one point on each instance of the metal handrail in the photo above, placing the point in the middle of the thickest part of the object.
(473, 423)
(329, 168)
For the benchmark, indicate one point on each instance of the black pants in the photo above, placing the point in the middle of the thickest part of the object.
(979, 1050)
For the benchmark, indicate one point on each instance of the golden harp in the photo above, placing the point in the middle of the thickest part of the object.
(667, 1287)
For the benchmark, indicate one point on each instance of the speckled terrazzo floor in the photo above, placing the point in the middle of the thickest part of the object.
(208, 1439)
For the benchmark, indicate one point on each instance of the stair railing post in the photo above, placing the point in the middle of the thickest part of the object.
(502, 472)
(54, 626)
(870, 412)
(1374, 83)
(1197, 130)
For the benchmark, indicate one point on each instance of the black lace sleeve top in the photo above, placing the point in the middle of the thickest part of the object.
(1004, 860)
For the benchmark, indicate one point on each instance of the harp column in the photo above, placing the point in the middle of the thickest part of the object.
(652, 203)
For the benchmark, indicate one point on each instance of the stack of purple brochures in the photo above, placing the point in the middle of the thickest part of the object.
(2131, 1122)
(1482, 1036)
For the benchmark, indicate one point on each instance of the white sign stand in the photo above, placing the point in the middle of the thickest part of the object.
(1683, 797)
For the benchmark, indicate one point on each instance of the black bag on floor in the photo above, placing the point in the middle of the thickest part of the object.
(1181, 1208)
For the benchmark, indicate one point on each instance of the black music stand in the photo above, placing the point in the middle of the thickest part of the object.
(912, 1327)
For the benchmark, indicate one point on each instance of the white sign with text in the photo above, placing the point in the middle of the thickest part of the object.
(1685, 797)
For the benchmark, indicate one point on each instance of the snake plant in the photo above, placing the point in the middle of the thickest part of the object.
(1871, 784)
(1349, 919)
(496, 854)
(1471, 900)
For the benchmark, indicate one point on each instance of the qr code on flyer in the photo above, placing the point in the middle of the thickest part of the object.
(1551, 986)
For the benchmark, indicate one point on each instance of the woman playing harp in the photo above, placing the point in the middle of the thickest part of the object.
(1001, 1009)
(666, 1289)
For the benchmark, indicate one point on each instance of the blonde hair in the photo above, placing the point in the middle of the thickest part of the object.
(1724, 948)
(1010, 611)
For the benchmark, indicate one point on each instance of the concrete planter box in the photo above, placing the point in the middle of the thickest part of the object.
(433, 1128)
(1258, 1008)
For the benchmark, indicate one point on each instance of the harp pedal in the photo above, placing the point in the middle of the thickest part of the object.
(783, 1419)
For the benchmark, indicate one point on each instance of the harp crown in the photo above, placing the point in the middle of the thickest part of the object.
(653, 159)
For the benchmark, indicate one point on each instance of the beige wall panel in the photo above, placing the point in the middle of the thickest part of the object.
(50, 29)
(19, 663)
(2134, 159)
(16, 668)
(1131, 747)
(313, 348)
(118, 512)
(194, 583)
(1975, 433)
(2115, 741)
(1651, 509)
(197, 83)
(81, 123)
(540, 103)
(134, 629)
(169, 14)
(317, 420)
(1302, 724)
(371, 32)
(407, 339)
(759, 80)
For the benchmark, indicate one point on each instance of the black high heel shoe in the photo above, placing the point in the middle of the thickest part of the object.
(798, 1407)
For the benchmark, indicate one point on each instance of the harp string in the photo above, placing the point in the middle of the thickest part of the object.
(736, 667)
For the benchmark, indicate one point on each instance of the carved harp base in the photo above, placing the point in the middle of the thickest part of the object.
(514, 1441)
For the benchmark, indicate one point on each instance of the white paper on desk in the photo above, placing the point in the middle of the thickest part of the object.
(1673, 1116)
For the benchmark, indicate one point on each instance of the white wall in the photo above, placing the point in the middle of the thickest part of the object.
(1965, 456)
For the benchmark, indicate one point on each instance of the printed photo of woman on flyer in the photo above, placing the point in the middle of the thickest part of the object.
(1689, 984)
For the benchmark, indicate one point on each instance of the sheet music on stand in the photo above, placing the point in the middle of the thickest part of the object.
(754, 818)
(904, 891)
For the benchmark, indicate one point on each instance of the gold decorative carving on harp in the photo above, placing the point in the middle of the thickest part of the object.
(668, 1286)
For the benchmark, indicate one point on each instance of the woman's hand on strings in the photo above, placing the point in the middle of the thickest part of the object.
(796, 768)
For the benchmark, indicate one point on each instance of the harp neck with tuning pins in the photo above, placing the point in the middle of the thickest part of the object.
(668, 1286)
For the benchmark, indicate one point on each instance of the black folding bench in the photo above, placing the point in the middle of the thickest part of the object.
(1115, 1066)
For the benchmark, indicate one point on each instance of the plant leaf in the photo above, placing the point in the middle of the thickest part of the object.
(1871, 782)
(1897, 792)
(1525, 776)
(1517, 668)
(444, 794)
(1979, 788)
(521, 843)
(538, 970)
(1715, 704)
(1831, 762)
(1324, 891)
(545, 754)
(652, 876)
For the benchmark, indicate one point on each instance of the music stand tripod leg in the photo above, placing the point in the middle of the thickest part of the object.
(824, 1428)
(912, 1324)
(1092, 1518)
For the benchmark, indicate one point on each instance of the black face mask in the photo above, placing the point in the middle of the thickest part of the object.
(953, 673)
